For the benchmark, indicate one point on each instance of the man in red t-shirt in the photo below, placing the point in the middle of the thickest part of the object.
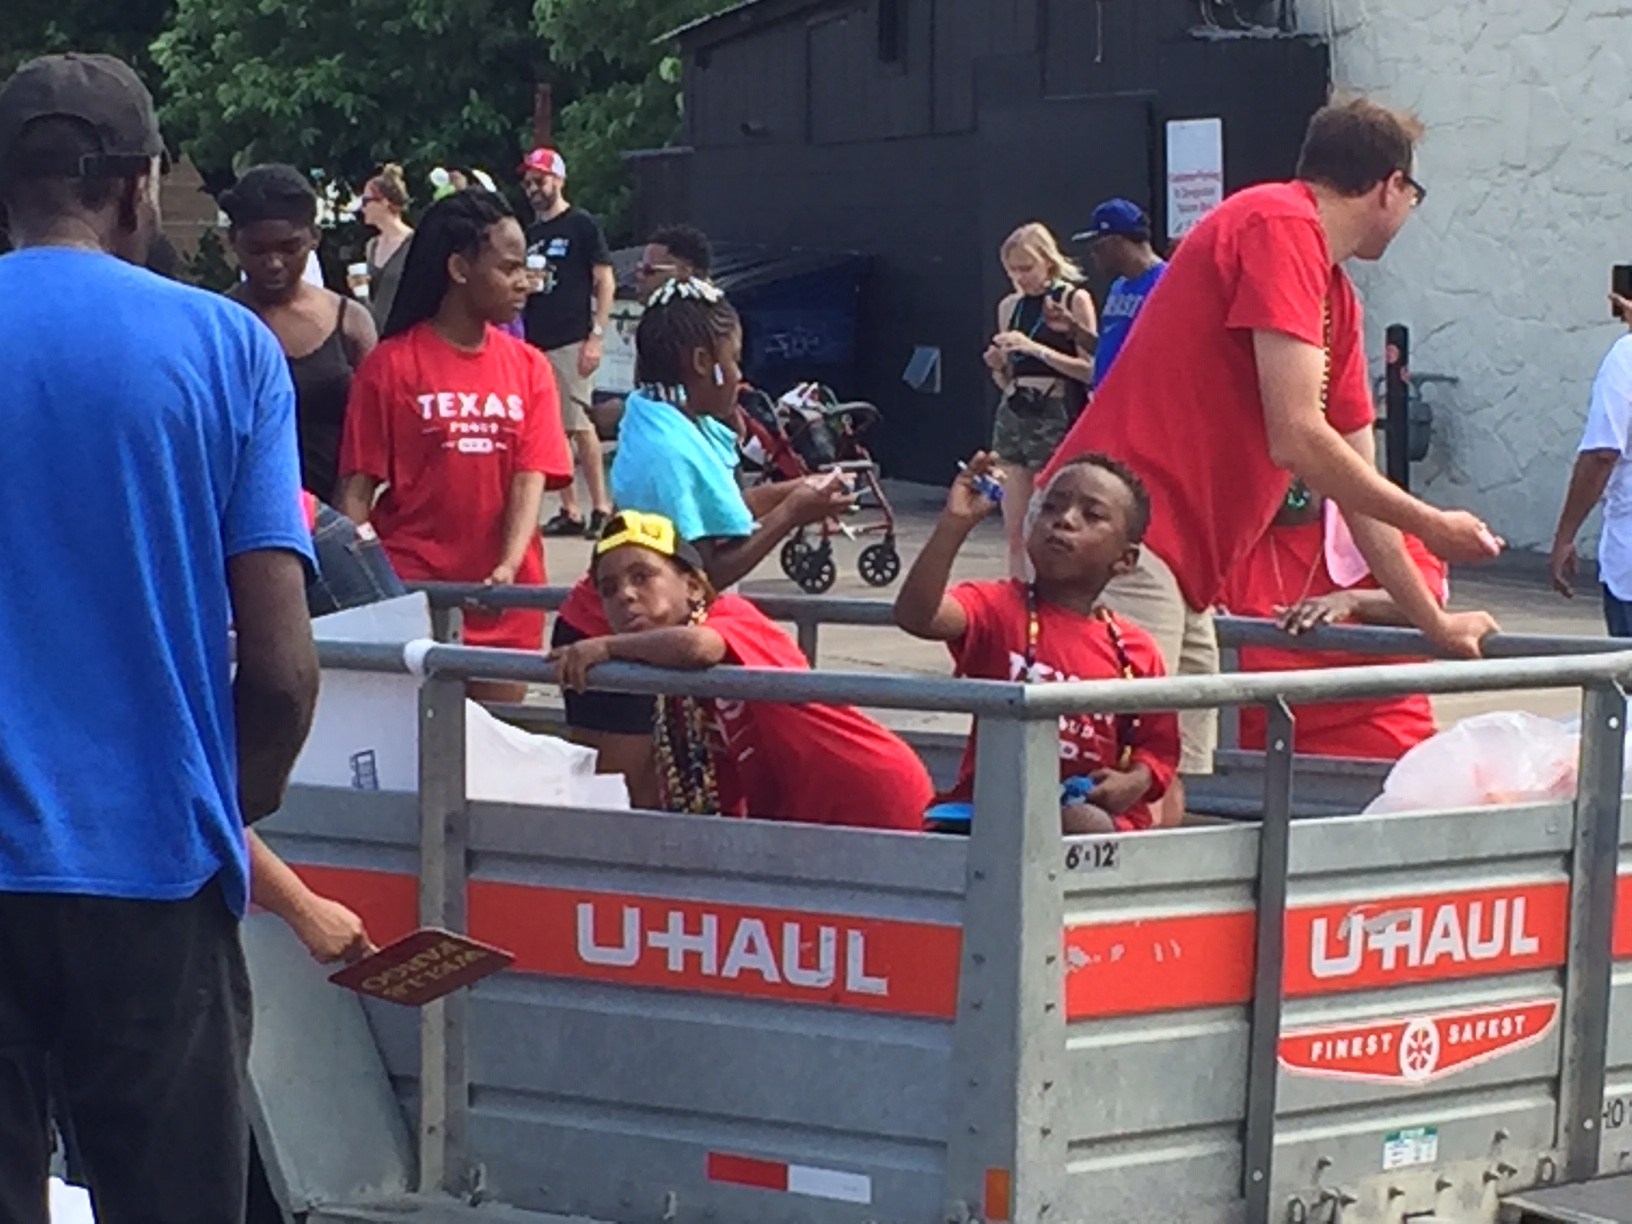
(1245, 368)
(1303, 573)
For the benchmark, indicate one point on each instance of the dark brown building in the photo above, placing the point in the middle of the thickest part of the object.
(921, 132)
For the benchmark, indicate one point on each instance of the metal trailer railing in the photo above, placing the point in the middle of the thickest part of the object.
(1235, 1021)
(808, 613)
(1327, 785)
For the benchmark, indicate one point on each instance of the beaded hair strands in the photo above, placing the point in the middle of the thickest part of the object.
(690, 289)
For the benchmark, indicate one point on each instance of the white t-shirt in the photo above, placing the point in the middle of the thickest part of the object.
(1609, 424)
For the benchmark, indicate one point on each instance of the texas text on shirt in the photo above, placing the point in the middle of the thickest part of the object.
(1258, 261)
(1274, 576)
(1609, 421)
(191, 462)
(817, 764)
(445, 430)
(1069, 647)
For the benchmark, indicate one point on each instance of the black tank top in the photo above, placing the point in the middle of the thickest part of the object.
(322, 381)
(1028, 318)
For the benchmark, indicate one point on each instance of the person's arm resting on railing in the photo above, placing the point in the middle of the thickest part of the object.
(1458, 633)
(685, 648)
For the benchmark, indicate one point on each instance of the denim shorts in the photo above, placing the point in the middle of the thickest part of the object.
(352, 568)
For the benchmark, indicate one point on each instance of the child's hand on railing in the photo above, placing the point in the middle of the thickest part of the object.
(572, 663)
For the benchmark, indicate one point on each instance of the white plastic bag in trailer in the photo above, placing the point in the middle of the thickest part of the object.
(1500, 758)
(365, 734)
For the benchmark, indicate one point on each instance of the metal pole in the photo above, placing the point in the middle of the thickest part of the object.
(1005, 1151)
(1229, 718)
(444, 1085)
(1397, 386)
(810, 632)
(445, 623)
(1594, 856)
(1263, 1071)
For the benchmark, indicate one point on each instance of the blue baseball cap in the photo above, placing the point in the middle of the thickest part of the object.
(1119, 217)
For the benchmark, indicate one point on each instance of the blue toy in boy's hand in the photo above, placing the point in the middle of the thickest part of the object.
(989, 487)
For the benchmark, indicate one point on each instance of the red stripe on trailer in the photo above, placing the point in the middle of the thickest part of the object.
(1623, 917)
(747, 1171)
(839, 1185)
(863, 962)
(997, 1195)
(1169, 962)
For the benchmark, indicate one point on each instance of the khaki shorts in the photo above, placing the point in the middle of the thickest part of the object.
(1150, 598)
(573, 388)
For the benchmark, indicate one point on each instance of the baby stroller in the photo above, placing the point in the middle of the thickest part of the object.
(808, 431)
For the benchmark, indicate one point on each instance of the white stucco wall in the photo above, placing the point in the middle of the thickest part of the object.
(1502, 275)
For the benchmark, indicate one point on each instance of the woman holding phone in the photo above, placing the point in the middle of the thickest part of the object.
(1042, 372)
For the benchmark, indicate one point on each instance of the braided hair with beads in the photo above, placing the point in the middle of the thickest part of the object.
(681, 317)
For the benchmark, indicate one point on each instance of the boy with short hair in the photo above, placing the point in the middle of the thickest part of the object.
(1085, 530)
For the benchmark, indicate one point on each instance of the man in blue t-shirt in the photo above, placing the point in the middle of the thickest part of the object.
(151, 500)
(1118, 238)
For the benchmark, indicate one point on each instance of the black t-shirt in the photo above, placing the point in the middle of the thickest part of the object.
(573, 245)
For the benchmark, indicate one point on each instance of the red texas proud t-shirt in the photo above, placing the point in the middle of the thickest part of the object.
(444, 430)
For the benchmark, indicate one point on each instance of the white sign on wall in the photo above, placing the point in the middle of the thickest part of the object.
(617, 373)
(1195, 171)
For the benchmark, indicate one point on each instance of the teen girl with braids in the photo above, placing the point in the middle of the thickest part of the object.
(731, 757)
(1083, 530)
(455, 425)
(677, 456)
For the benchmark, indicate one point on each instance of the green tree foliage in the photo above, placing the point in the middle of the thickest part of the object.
(338, 86)
(119, 27)
(630, 88)
(342, 85)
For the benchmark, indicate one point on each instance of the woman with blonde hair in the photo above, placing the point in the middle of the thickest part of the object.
(1042, 372)
(384, 199)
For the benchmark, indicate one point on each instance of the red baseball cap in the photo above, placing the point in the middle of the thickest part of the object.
(545, 161)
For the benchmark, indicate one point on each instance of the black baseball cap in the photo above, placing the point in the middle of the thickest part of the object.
(97, 90)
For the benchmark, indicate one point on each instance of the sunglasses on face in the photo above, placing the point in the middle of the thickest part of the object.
(1419, 193)
(651, 269)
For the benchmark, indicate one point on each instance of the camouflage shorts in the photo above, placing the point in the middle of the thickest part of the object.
(1028, 437)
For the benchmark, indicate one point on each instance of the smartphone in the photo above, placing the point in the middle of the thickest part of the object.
(1620, 284)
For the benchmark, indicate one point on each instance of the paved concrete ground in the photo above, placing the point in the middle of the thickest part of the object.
(1514, 589)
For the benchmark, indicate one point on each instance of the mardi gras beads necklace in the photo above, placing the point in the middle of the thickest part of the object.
(685, 761)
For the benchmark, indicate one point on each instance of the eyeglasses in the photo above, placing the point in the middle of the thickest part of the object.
(651, 269)
(370, 198)
(1419, 193)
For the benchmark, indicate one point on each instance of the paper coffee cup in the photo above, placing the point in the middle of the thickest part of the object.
(357, 281)
(536, 267)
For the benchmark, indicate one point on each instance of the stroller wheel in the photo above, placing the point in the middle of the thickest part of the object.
(879, 564)
(794, 556)
(817, 573)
